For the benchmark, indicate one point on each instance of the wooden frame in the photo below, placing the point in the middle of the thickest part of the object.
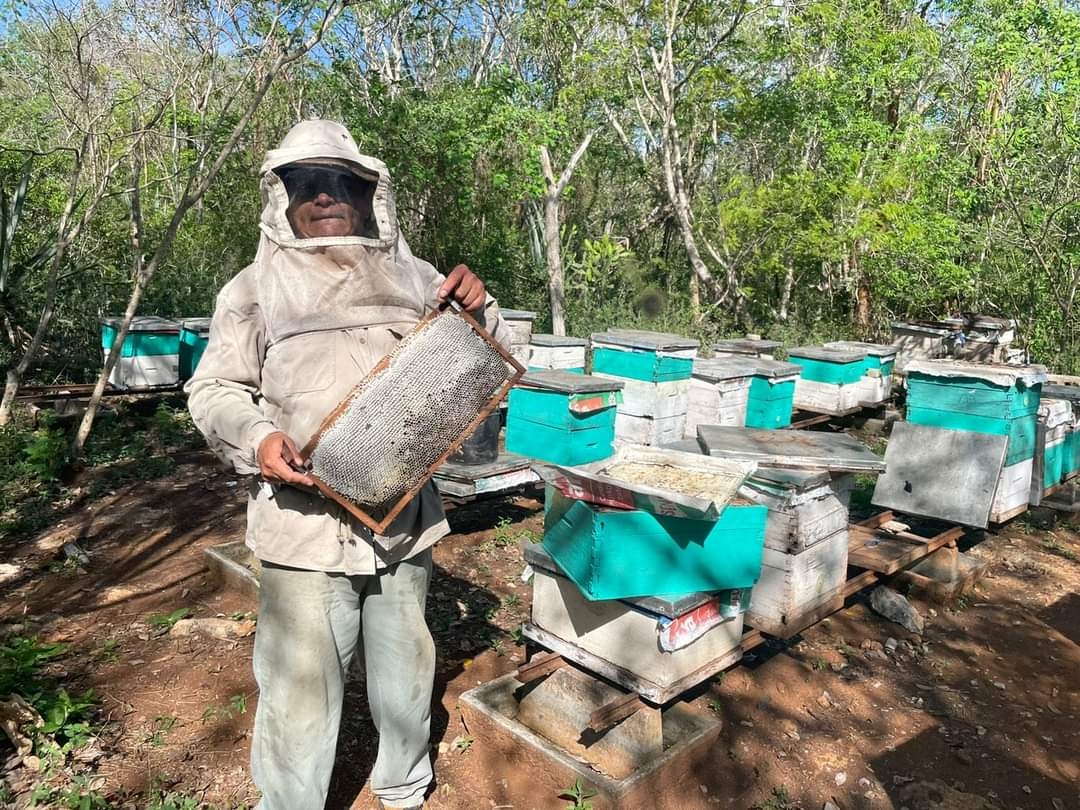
(380, 526)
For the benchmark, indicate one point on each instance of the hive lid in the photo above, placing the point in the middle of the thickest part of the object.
(828, 355)
(764, 367)
(1069, 392)
(567, 382)
(746, 345)
(200, 325)
(557, 340)
(517, 314)
(772, 477)
(687, 485)
(724, 368)
(649, 341)
(944, 474)
(145, 323)
(993, 373)
(872, 349)
(795, 449)
(924, 328)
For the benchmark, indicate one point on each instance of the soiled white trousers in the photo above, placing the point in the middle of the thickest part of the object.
(310, 625)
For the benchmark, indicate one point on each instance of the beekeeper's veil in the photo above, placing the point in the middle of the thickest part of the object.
(334, 282)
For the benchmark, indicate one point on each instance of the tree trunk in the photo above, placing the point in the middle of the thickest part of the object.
(553, 255)
(863, 302)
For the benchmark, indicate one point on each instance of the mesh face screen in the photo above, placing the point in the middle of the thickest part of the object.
(401, 420)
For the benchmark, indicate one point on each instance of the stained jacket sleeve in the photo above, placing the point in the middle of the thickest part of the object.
(223, 394)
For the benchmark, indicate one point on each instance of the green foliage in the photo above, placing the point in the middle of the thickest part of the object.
(165, 621)
(578, 795)
(66, 717)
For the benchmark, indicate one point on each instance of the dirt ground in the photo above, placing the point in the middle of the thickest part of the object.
(979, 712)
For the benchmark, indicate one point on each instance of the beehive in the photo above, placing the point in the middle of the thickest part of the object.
(878, 365)
(829, 380)
(656, 369)
(562, 417)
(921, 341)
(558, 352)
(520, 323)
(149, 356)
(620, 553)
(771, 397)
(194, 337)
(719, 392)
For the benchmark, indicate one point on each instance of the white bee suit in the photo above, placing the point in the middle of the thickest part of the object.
(291, 335)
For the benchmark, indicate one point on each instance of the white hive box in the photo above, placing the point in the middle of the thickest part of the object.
(805, 507)
(649, 431)
(1013, 491)
(520, 323)
(658, 400)
(917, 341)
(629, 636)
(792, 587)
(719, 391)
(557, 352)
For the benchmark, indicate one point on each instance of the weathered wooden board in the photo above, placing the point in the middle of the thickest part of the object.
(945, 474)
(888, 553)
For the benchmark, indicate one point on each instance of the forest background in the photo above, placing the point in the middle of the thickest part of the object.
(804, 170)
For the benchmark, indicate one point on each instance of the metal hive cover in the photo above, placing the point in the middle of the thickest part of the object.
(647, 341)
(557, 340)
(764, 367)
(145, 323)
(872, 349)
(746, 345)
(567, 382)
(999, 374)
(1069, 392)
(797, 449)
(375, 451)
(724, 368)
(828, 355)
(517, 314)
(945, 474)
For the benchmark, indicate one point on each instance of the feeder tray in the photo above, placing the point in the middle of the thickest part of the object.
(382, 443)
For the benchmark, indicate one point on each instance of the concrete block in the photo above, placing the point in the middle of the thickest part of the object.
(559, 707)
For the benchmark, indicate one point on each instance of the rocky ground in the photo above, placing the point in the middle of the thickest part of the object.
(979, 711)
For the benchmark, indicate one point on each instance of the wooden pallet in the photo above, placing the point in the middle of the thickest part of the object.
(886, 552)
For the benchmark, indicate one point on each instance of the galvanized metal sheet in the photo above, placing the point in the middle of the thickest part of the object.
(923, 329)
(999, 374)
(797, 480)
(716, 369)
(872, 349)
(1069, 392)
(937, 473)
(145, 323)
(795, 449)
(557, 340)
(517, 314)
(764, 367)
(567, 382)
(747, 346)
(828, 355)
(649, 341)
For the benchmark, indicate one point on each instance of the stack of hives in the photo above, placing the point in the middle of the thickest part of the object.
(805, 480)
(719, 392)
(1055, 461)
(842, 377)
(771, 397)
(655, 368)
(989, 399)
(157, 352)
(520, 322)
(564, 353)
(646, 566)
(562, 416)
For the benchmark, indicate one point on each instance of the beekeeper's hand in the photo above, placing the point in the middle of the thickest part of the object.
(279, 461)
(465, 287)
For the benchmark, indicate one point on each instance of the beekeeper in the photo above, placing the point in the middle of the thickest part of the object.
(332, 290)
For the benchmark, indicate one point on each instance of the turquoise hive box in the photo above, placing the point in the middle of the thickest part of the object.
(562, 417)
(149, 356)
(833, 366)
(653, 357)
(620, 554)
(194, 336)
(988, 398)
(880, 357)
(772, 394)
